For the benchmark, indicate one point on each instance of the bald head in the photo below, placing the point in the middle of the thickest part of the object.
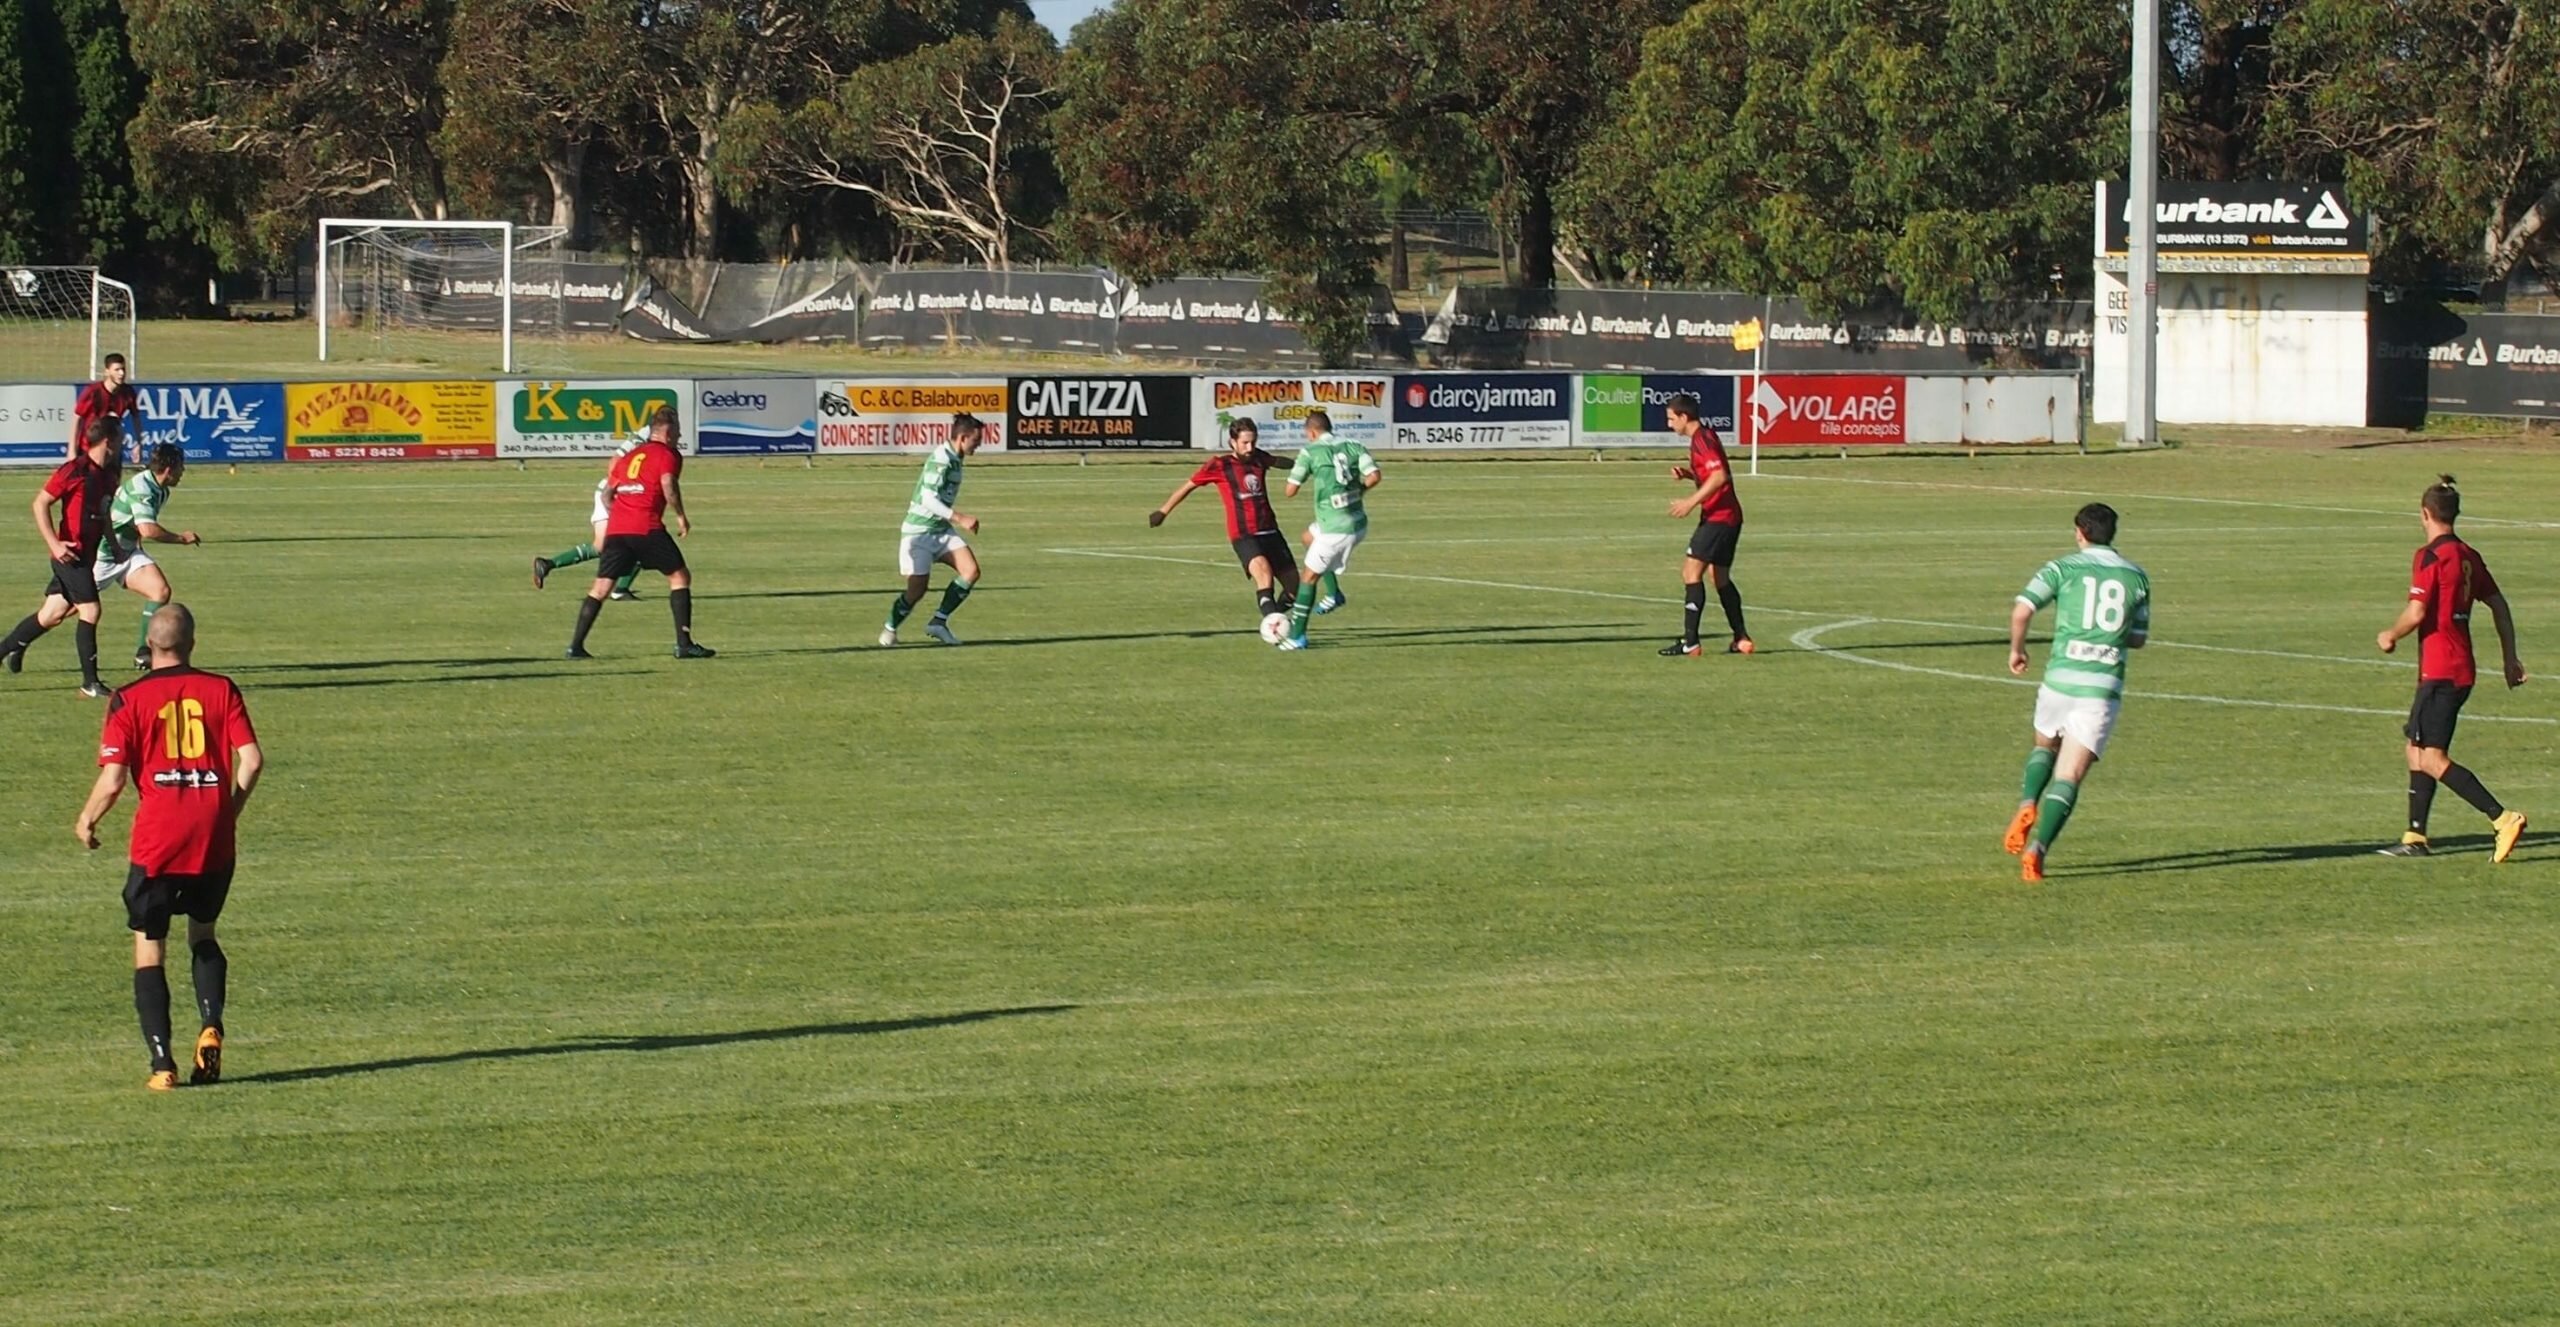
(172, 635)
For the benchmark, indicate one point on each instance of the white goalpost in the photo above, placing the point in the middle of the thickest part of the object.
(55, 322)
(416, 288)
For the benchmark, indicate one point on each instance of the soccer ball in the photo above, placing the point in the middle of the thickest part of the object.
(1275, 626)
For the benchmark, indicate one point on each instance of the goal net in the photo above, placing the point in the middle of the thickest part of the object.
(57, 322)
(444, 295)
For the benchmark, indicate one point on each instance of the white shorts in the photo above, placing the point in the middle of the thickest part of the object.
(2086, 720)
(597, 514)
(111, 570)
(918, 552)
(1330, 552)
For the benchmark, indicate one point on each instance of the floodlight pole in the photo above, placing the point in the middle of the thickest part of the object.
(507, 299)
(2142, 268)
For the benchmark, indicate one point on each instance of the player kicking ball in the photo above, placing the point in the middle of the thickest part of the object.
(931, 533)
(2102, 609)
(133, 520)
(1343, 472)
(1242, 478)
(588, 552)
(2447, 579)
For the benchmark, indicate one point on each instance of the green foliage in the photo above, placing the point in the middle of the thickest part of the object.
(1940, 152)
(113, 222)
(22, 158)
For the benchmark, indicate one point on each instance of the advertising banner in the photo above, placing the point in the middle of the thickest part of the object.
(884, 415)
(1064, 311)
(2427, 359)
(1630, 410)
(390, 421)
(755, 416)
(1483, 410)
(587, 418)
(215, 421)
(2260, 218)
(1689, 331)
(1100, 412)
(1840, 409)
(1278, 406)
(35, 423)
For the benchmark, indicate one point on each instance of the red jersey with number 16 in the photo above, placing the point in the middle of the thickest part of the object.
(1706, 461)
(2449, 577)
(176, 728)
(638, 480)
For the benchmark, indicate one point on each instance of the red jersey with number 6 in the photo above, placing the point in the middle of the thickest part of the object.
(1706, 461)
(2449, 576)
(176, 729)
(638, 479)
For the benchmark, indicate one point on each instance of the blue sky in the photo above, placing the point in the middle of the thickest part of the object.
(1063, 15)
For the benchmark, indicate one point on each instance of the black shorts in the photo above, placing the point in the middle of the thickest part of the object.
(150, 901)
(625, 553)
(75, 581)
(2433, 714)
(1274, 546)
(1713, 543)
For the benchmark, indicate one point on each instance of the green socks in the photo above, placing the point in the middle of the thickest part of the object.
(142, 638)
(1303, 608)
(2039, 772)
(953, 595)
(898, 610)
(2055, 809)
(623, 586)
(1330, 585)
(581, 553)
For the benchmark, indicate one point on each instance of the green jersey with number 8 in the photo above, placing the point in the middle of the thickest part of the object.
(1337, 468)
(2102, 605)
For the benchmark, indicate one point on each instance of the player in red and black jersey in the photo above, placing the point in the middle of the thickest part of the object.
(84, 487)
(1719, 530)
(183, 739)
(112, 399)
(640, 490)
(2447, 578)
(1243, 480)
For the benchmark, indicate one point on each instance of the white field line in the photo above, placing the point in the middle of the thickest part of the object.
(1658, 601)
(1810, 640)
(2410, 515)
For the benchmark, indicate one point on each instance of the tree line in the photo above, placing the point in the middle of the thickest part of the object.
(1932, 152)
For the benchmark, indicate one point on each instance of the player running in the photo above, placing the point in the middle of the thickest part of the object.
(1242, 478)
(1719, 530)
(85, 486)
(1343, 473)
(183, 739)
(635, 533)
(113, 399)
(2102, 608)
(931, 533)
(133, 519)
(588, 552)
(2448, 578)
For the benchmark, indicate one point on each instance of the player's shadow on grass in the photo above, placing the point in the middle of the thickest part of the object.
(354, 538)
(881, 592)
(674, 1041)
(1538, 633)
(2270, 855)
(350, 683)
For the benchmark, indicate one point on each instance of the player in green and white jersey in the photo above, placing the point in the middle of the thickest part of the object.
(2102, 609)
(133, 519)
(932, 530)
(1343, 473)
(590, 551)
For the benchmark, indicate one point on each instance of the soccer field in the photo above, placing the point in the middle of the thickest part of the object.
(1477, 966)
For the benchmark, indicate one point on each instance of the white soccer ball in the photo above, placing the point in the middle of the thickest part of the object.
(1274, 627)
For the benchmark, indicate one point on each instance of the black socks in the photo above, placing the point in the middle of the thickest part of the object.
(1730, 596)
(587, 610)
(2466, 785)
(213, 974)
(151, 1001)
(85, 636)
(680, 603)
(2422, 794)
(1693, 602)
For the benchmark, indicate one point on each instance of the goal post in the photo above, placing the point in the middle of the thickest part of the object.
(434, 282)
(55, 322)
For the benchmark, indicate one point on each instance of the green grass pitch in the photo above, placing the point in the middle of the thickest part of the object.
(1475, 967)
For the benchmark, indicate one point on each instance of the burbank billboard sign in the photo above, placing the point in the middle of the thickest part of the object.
(2260, 218)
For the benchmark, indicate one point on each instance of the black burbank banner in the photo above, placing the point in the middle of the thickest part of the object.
(1100, 412)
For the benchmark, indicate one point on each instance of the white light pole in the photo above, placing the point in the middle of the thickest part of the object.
(2142, 268)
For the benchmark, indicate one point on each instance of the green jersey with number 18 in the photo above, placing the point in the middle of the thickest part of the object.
(2102, 604)
(941, 482)
(1337, 468)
